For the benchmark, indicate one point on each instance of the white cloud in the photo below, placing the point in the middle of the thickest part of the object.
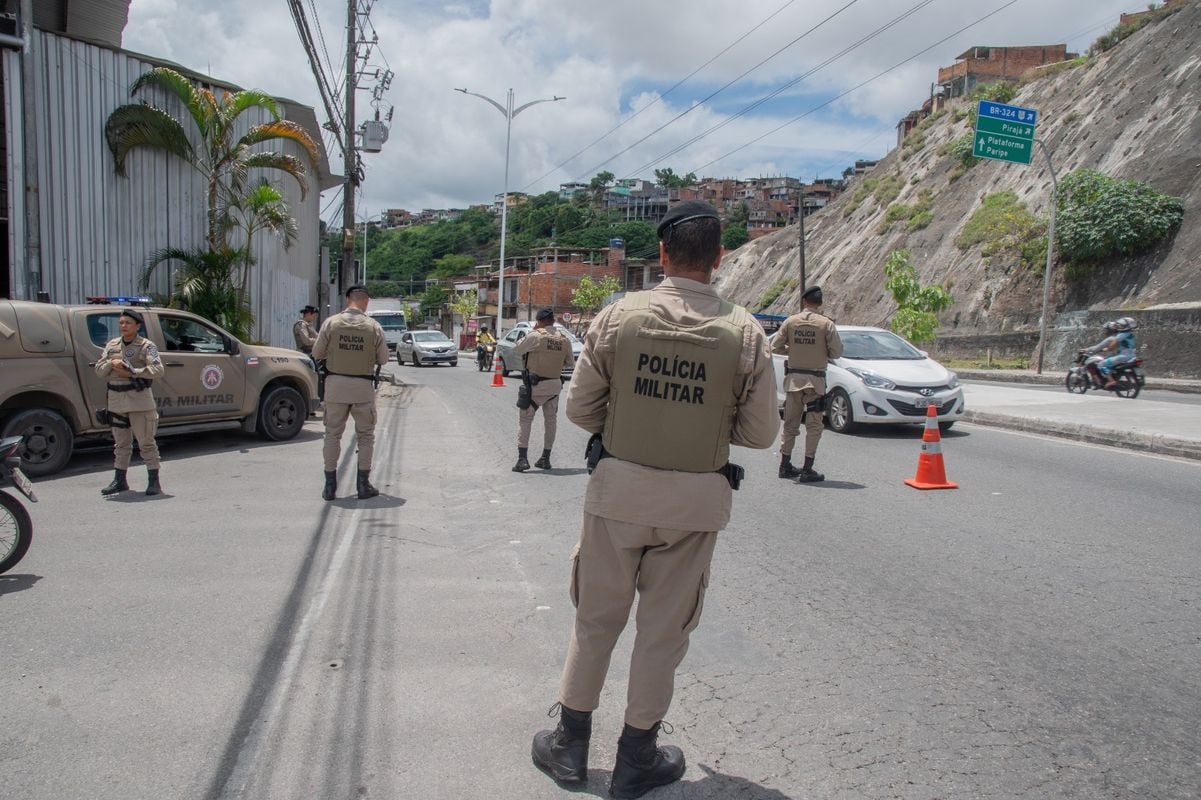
(447, 149)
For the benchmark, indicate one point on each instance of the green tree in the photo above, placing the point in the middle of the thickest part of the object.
(733, 237)
(739, 216)
(590, 295)
(222, 157)
(668, 179)
(452, 264)
(263, 209)
(600, 183)
(434, 300)
(917, 306)
(465, 304)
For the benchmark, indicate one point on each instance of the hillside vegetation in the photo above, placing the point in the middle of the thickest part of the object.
(1131, 112)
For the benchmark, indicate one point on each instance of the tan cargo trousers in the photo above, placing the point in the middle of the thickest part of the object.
(670, 571)
(794, 410)
(546, 396)
(364, 431)
(142, 426)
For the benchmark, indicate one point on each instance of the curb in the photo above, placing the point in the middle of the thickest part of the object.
(1110, 437)
(1002, 376)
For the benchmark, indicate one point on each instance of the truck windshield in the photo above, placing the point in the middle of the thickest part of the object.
(391, 322)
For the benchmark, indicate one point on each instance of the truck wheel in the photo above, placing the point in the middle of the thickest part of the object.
(48, 440)
(281, 414)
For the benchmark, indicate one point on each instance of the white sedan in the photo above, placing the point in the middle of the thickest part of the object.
(881, 378)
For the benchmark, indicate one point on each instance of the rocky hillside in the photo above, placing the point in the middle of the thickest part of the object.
(1133, 112)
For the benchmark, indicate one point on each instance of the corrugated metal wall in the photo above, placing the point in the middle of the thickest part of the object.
(98, 228)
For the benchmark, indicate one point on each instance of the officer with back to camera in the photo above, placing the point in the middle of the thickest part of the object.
(546, 353)
(668, 379)
(810, 341)
(353, 346)
(303, 331)
(131, 362)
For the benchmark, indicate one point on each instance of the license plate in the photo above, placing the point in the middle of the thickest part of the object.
(921, 403)
(22, 483)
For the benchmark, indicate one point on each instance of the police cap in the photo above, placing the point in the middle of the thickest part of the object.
(813, 294)
(135, 316)
(686, 212)
(309, 310)
(358, 287)
(544, 313)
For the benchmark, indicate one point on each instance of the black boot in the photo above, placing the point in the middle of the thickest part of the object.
(330, 491)
(563, 752)
(641, 765)
(365, 489)
(544, 462)
(787, 470)
(808, 474)
(522, 462)
(152, 486)
(118, 485)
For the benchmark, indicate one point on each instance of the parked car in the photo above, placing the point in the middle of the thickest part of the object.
(883, 379)
(50, 393)
(393, 323)
(426, 347)
(511, 362)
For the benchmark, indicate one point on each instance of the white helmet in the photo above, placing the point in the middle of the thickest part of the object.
(1128, 323)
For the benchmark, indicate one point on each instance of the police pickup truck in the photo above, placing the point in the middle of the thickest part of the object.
(50, 393)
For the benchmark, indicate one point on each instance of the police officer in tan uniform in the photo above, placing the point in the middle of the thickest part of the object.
(303, 331)
(131, 362)
(810, 341)
(352, 345)
(546, 353)
(668, 379)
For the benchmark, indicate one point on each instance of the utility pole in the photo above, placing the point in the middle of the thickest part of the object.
(350, 163)
(800, 207)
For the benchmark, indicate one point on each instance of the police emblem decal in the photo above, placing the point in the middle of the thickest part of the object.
(211, 376)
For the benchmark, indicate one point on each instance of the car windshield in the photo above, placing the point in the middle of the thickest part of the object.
(390, 322)
(877, 345)
(430, 336)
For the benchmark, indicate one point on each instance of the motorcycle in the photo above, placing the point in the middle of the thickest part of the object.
(16, 528)
(484, 354)
(1129, 378)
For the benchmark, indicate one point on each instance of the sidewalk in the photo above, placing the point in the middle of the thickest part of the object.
(1155, 426)
(1055, 377)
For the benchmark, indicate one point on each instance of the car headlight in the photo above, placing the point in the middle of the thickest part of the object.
(871, 379)
(952, 380)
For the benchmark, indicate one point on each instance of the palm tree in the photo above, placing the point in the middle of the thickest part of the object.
(223, 158)
(206, 284)
(262, 209)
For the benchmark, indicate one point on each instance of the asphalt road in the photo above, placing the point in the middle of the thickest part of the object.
(1033, 634)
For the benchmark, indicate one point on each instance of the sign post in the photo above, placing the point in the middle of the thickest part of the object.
(1006, 133)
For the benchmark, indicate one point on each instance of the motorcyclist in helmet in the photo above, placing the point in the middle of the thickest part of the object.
(1121, 340)
(485, 337)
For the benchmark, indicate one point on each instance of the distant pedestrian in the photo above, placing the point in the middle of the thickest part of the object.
(668, 379)
(352, 345)
(303, 331)
(131, 363)
(545, 353)
(809, 340)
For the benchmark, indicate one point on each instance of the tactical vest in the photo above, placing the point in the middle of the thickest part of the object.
(807, 348)
(548, 358)
(353, 341)
(672, 397)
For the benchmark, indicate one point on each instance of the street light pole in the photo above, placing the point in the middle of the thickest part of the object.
(508, 112)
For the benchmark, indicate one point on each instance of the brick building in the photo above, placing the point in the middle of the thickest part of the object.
(977, 66)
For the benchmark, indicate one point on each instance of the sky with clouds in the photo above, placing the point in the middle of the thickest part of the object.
(844, 70)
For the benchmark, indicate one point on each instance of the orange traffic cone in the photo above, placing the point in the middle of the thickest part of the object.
(930, 472)
(498, 380)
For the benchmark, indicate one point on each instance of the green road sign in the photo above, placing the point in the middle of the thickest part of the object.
(1012, 130)
(1002, 148)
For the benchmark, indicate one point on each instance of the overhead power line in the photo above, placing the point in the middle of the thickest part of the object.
(327, 95)
(658, 98)
(858, 86)
(746, 110)
(695, 106)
